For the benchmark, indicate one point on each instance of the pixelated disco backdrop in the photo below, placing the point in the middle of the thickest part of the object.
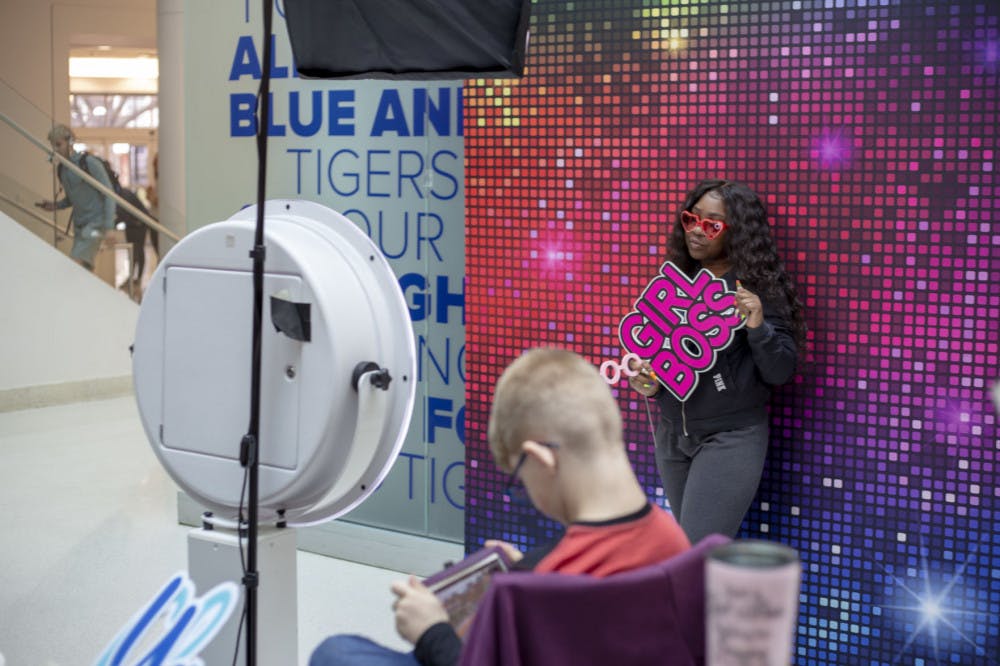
(870, 130)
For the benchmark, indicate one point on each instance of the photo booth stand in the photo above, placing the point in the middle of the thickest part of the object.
(214, 556)
(337, 385)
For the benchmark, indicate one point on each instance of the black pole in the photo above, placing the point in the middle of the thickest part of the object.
(252, 440)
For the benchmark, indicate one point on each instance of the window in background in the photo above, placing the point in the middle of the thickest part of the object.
(114, 107)
(114, 110)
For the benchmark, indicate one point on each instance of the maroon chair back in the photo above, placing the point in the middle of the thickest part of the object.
(654, 615)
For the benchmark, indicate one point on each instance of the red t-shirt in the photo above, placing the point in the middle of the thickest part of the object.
(648, 536)
(601, 549)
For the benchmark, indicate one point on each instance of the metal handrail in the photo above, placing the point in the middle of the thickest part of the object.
(90, 180)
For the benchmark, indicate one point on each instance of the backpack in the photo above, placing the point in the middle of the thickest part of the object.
(121, 214)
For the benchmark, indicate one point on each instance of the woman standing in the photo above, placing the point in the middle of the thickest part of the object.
(710, 449)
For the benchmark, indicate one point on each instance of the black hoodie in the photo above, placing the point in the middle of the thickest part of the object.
(734, 392)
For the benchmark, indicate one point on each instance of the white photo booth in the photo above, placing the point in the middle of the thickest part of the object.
(337, 384)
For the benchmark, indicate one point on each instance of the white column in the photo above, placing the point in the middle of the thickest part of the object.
(172, 183)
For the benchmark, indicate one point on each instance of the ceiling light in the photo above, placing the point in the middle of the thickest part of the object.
(114, 68)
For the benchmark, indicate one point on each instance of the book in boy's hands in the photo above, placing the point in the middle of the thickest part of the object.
(461, 585)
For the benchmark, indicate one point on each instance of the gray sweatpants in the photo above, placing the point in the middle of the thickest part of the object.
(711, 480)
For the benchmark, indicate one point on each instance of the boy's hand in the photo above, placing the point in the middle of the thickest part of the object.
(416, 609)
(46, 205)
(510, 550)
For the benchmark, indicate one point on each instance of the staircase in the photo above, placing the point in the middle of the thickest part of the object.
(27, 176)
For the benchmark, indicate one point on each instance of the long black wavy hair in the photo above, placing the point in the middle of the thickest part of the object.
(750, 247)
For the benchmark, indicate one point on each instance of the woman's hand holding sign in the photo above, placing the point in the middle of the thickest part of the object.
(639, 373)
(748, 303)
(645, 381)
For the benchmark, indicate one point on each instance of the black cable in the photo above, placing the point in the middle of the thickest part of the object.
(649, 415)
(240, 520)
(243, 563)
(239, 632)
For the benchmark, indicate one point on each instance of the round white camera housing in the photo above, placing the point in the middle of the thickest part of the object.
(330, 427)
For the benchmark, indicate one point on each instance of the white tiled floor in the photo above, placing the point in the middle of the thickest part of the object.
(90, 534)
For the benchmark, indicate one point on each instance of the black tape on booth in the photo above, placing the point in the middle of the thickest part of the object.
(408, 39)
(292, 319)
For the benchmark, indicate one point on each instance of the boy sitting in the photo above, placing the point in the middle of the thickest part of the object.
(555, 425)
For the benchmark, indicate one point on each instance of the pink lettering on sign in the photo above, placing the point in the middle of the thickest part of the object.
(680, 325)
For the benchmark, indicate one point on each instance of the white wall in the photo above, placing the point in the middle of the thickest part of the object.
(35, 40)
(36, 37)
(60, 323)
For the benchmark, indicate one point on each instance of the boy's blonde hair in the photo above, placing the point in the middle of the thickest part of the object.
(552, 395)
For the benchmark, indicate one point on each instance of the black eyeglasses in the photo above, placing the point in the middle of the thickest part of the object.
(514, 489)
